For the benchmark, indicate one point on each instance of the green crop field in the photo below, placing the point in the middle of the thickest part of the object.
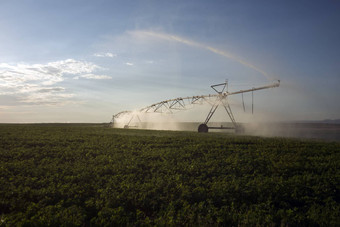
(89, 175)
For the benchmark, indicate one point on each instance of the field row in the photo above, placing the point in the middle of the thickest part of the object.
(96, 176)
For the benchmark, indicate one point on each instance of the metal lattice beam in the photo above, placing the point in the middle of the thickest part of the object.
(183, 103)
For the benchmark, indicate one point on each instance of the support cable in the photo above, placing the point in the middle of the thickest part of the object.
(252, 102)
(244, 108)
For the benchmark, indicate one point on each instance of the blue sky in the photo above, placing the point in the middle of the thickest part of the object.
(83, 61)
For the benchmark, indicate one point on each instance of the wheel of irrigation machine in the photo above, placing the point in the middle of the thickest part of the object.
(239, 129)
(203, 128)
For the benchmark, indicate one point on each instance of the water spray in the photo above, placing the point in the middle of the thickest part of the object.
(183, 103)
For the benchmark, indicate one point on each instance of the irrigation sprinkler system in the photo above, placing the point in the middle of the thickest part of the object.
(184, 103)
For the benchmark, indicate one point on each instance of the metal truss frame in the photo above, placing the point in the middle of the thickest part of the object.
(184, 103)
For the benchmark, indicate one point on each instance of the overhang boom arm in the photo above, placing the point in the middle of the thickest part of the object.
(277, 84)
(192, 100)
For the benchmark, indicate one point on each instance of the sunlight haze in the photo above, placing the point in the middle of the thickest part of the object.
(83, 61)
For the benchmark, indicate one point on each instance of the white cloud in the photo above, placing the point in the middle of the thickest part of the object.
(5, 107)
(129, 63)
(51, 89)
(47, 98)
(46, 74)
(102, 55)
(93, 76)
(33, 83)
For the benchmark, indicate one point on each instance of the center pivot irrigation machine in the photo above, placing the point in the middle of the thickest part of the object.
(183, 103)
